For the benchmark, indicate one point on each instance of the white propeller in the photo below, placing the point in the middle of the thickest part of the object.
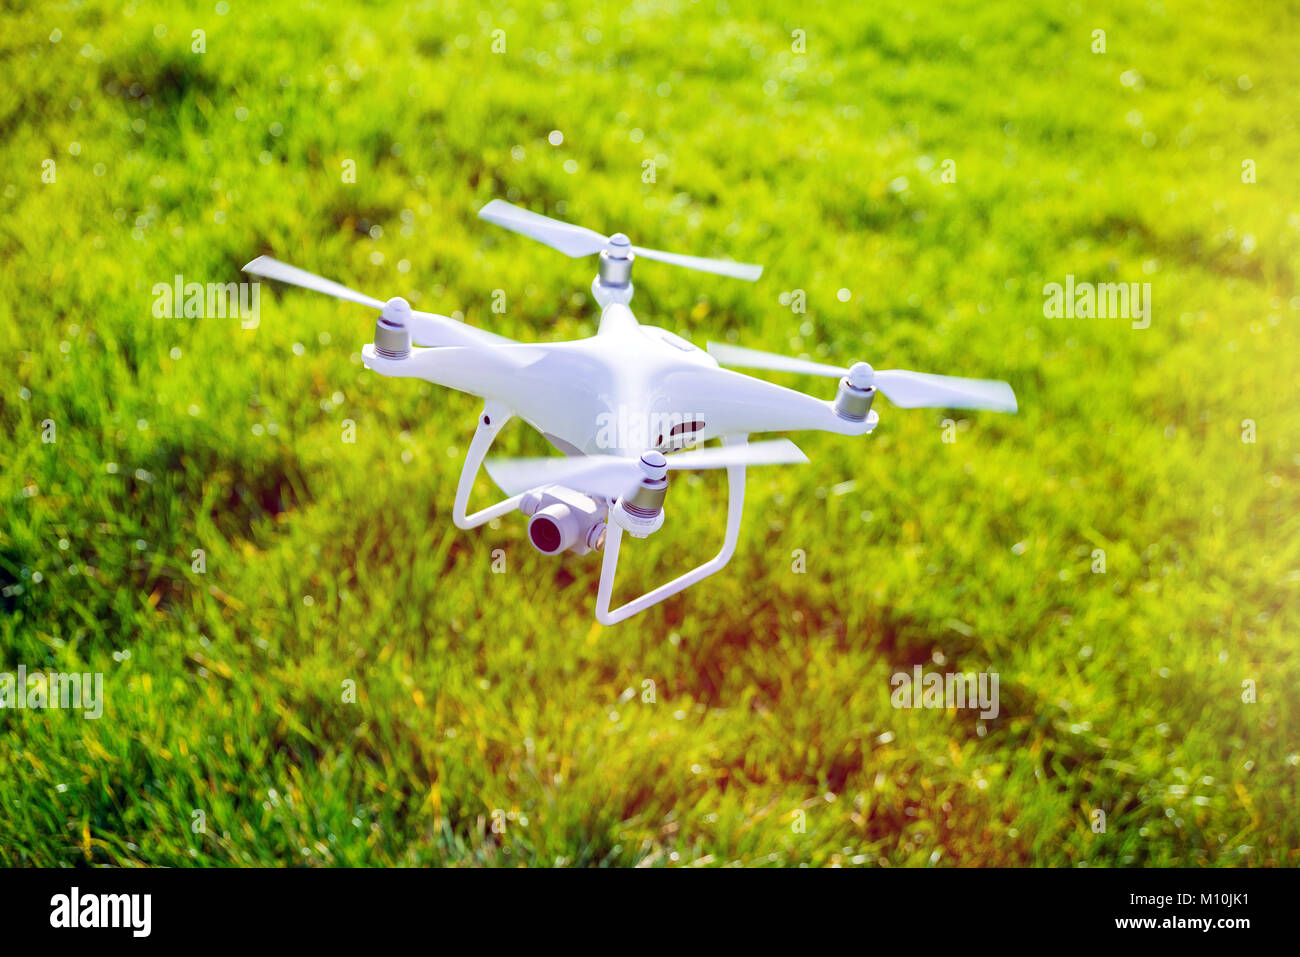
(269, 268)
(908, 390)
(578, 241)
(427, 328)
(612, 476)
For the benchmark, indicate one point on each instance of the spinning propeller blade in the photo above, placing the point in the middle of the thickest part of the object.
(568, 239)
(923, 390)
(269, 268)
(611, 476)
(771, 452)
(908, 390)
(607, 476)
(427, 328)
(578, 241)
(722, 267)
(753, 359)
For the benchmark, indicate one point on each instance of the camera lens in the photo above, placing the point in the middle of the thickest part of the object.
(545, 534)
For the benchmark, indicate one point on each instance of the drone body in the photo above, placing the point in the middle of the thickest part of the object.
(616, 402)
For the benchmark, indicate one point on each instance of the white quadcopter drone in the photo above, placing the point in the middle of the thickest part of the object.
(625, 406)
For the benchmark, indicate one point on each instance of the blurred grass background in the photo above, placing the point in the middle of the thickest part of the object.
(487, 697)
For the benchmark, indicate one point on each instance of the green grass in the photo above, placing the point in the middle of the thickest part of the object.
(482, 693)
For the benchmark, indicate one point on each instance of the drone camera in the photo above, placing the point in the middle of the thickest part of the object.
(563, 520)
(552, 529)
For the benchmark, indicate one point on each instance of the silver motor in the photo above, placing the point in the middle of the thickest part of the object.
(856, 392)
(392, 337)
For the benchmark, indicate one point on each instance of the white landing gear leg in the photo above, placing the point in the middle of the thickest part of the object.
(490, 421)
(614, 536)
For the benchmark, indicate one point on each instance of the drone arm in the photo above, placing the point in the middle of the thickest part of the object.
(483, 370)
(493, 417)
(743, 404)
(614, 536)
(431, 329)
